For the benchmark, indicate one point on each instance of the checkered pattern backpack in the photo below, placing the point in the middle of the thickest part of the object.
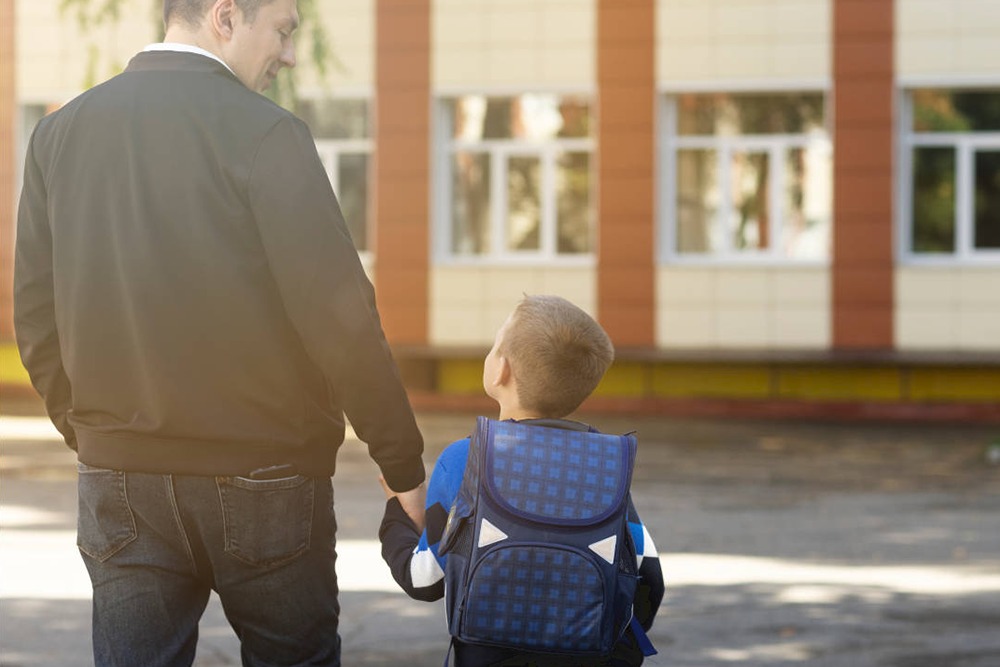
(539, 554)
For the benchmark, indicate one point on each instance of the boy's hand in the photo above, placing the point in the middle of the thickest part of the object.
(413, 501)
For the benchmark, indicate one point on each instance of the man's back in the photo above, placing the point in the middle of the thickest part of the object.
(197, 249)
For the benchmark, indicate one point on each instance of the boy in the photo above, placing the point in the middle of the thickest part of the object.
(546, 359)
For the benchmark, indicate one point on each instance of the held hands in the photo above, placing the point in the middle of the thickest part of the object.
(413, 501)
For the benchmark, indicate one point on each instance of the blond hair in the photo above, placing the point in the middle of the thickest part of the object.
(557, 354)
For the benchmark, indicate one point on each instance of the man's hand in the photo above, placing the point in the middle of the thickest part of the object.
(414, 501)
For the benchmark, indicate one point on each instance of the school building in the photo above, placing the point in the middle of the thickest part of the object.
(775, 207)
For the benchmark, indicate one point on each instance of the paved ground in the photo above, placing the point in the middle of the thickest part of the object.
(826, 544)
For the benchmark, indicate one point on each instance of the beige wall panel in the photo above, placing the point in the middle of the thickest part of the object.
(921, 287)
(792, 327)
(742, 327)
(800, 286)
(927, 328)
(686, 287)
(978, 287)
(756, 40)
(978, 329)
(755, 307)
(741, 287)
(52, 51)
(684, 326)
(956, 38)
(350, 28)
(948, 308)
(482, 44)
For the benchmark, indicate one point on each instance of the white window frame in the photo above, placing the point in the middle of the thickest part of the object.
(330, 151)
(775, 145)
(965, 145)
(500, 150)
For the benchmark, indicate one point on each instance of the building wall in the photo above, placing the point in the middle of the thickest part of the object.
(947, 44)
(939, 41)
(55, 64)
(751, 308)
(351, 34)
(746, 43)
(502, 44)
(944, 308)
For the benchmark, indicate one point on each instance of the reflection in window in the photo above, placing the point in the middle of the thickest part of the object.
(987, 200)
(341, 129)
(470, 203)
(524, 206)
(752, 175)
(749, 113)
(749, 195)
(934, 199)
(951, 142)
(699, 228)
(519, 182)
(575, 214)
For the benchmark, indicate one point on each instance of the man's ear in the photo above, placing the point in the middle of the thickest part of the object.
(222, 17)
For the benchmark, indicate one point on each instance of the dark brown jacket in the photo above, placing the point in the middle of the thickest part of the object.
(187, 296)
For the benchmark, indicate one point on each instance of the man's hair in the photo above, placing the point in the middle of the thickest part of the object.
(192, 12)
(557, 353)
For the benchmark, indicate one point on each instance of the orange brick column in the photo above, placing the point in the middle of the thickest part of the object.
(862, 179)
(8, 111)
(402, 167)
(626, 52)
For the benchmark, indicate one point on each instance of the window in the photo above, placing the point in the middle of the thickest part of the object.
(515, 178)
(951, 158)
(343, 139)
(746, 176)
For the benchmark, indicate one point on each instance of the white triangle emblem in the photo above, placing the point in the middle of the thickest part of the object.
(490, 534)
(606, 548)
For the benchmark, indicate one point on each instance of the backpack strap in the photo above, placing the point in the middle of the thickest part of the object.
(641, 638)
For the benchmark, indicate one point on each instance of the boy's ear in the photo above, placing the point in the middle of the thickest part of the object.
(504, 375)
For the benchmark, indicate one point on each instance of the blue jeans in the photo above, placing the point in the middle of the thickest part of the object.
(156, 545)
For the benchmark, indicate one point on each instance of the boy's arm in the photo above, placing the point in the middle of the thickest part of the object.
(649, 592)
(412, 555)
(414, 565)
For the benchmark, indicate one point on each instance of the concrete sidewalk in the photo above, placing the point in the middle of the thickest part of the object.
(827, 544)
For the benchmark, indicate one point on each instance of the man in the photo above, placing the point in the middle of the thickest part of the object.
(189, 304)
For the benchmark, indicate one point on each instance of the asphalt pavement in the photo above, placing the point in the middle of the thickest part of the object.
(826, 544)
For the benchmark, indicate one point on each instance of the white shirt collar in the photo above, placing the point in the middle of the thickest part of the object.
(186, 48)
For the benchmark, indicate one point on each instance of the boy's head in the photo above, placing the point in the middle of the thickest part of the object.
(556, 354)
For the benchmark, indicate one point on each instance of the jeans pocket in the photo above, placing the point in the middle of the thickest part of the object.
(266, 522)
(105, 523)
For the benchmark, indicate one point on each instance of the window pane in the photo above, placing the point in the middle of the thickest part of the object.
(575, 228)
(987, 200)
(353, 196)
(524, 204)
(528, 117)
(808, 203)
(335, 119)
(956, 111)
(470, 204)
(736, 114)
(698, 225)
(749, 173)
(933, 199)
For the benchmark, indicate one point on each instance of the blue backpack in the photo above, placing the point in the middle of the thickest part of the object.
(539, 554)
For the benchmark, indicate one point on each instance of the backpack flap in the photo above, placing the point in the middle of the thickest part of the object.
(557, 476)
